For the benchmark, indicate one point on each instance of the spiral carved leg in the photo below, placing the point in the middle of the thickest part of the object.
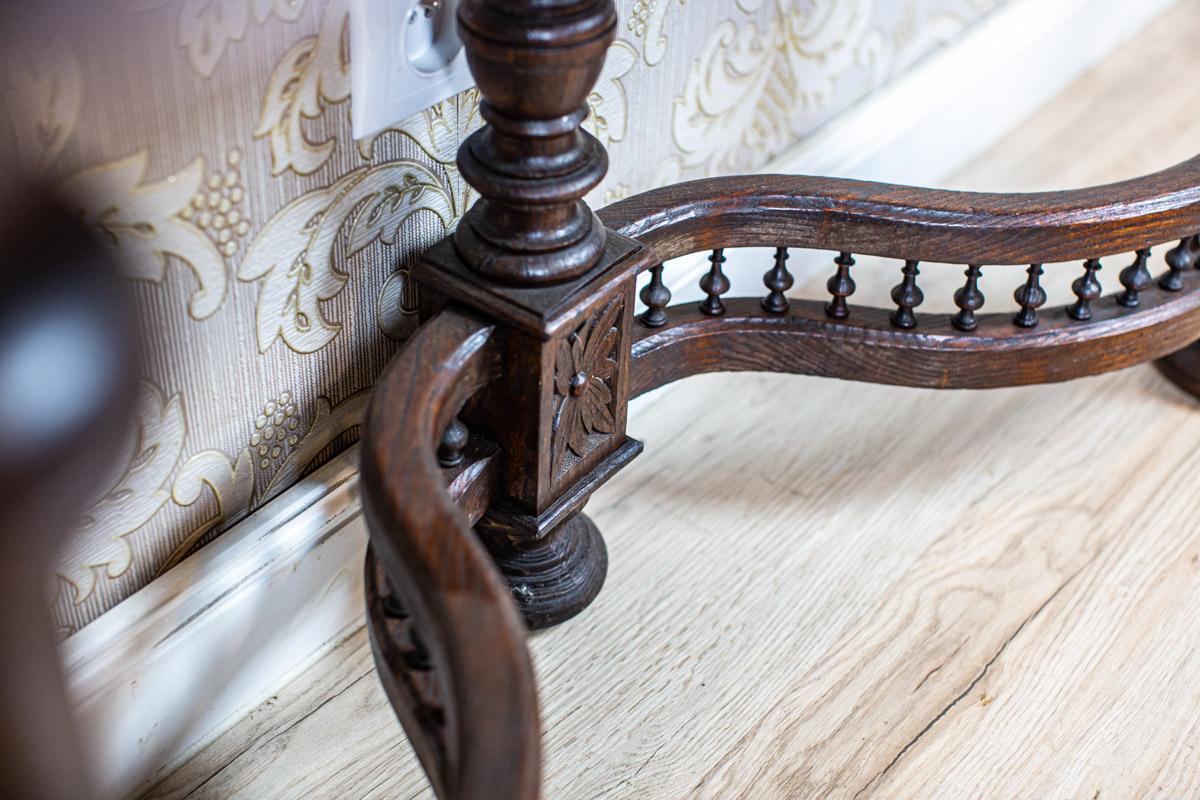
(552, 578)
(1183, 369)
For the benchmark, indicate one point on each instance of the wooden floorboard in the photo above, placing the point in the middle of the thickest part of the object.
(826, 589)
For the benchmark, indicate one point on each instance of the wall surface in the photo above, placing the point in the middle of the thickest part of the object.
(208, 142)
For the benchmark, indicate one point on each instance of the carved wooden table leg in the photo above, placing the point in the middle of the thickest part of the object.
(554, 577)
(532, 258)
(1183, 369)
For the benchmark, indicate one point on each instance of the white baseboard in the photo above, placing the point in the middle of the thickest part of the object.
(163, 673)
(955, 104)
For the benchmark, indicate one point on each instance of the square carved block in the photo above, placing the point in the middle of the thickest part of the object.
(559, 410)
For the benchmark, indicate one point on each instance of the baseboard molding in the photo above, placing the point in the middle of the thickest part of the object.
(960, 100)
(163, 673)
(160, 675)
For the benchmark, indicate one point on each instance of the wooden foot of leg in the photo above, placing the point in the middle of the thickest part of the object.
(1183, 369)
(552, 578)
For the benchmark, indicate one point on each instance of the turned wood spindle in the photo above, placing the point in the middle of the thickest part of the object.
(656, 296)
(1136, 278)
(714, 284)
(969, 299)
(1030, 296)
(907, 296)
(1087, 288)
(535, 64)
(1180, 258)
(453, 442)
(777, 280)
(841, 286)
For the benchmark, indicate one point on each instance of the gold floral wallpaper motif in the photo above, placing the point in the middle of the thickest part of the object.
(208, 143)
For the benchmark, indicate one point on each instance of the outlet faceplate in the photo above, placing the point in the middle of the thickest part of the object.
(405, 55)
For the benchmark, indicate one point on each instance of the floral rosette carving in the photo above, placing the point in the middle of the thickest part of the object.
(584, 374)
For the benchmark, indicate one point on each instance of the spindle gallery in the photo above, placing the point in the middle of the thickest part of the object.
(497, 421)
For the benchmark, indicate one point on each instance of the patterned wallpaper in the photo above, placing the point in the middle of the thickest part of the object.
(208, 142)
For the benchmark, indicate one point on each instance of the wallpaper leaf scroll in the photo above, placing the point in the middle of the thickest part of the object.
(138, 492)
(144, 222)
(206, 26)
(315, 71)
(231, 485)
(293, 257)
(43, 93)
(607, 102)
(750, 85)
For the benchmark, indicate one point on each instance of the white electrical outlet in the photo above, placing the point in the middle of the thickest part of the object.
(405, 55)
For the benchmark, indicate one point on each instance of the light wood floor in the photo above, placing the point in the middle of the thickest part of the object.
(825, 589)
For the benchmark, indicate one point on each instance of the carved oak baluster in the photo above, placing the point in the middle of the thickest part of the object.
(1180, 258)
(714, 284)
(1136, 278)
(841, 286)
(656, 296)
(1087, 288)
(907, 296)
(1030, 296)
(777, 280)
(969, 300)
(532, 261)
(454, 440)
(535, 62)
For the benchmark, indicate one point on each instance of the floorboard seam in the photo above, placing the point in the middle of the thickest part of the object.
(881, 774)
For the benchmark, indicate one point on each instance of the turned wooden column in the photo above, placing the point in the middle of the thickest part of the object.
(535, 61)
(531, 257)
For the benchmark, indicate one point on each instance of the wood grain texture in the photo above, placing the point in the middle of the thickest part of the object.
(805, 341)
(448, 643)
(911, 223)
(873, 592)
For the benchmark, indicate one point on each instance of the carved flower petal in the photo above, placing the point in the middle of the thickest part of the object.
(598, 391)
(606, 370)
(598, 344)
(603, 420)
(578, 435)
(588, 412)
(578, 363)
(563, 368)
(607, 343)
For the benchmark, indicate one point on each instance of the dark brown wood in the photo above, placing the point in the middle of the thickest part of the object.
(448, 642)
(454, 441)
(969, 300)
(656, 296)
(1136, 278)
(1180, 258)
(535, 63)
(936, 355)
(907, 296)
(1030, 296)
(714, 284)
(913, 224)
(841, 286)
(553, 577)
(533, 259)
(777, 280)
(532, 340)
(1087, 288)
